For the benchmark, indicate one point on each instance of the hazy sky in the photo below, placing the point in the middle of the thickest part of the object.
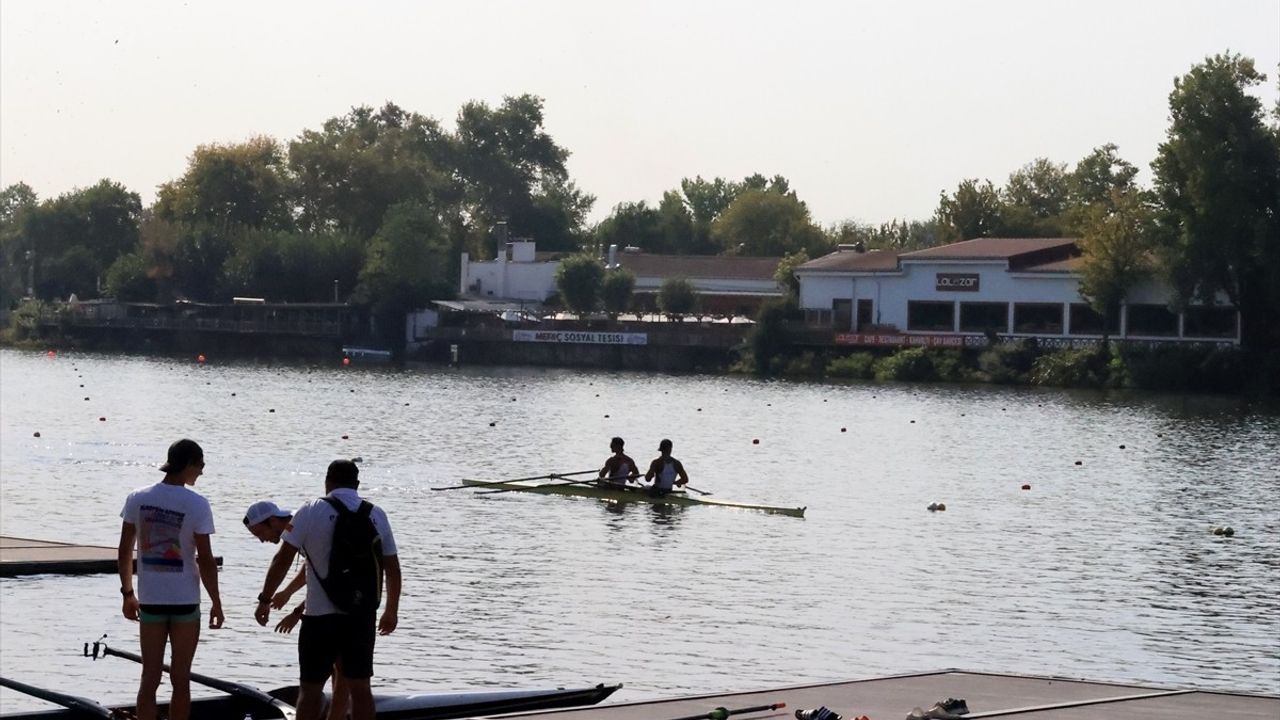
(870, 109)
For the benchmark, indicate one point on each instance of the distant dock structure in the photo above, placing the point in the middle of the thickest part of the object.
(25, 556)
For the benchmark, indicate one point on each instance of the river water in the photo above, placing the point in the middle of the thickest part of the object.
(1105, 569)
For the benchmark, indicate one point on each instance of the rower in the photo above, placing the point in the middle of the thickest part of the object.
(619, 468)
(665, 471)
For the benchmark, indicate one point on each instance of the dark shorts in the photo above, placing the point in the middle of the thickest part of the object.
(325, 639)
(169, 614)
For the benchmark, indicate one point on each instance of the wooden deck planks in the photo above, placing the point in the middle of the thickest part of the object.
(1018, 697)
(26, 556)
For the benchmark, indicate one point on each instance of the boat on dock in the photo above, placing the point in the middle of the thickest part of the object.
(627, 494)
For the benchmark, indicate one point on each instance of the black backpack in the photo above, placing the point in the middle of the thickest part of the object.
(354, 580)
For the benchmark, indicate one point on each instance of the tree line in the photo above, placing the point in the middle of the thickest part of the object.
(374, 206)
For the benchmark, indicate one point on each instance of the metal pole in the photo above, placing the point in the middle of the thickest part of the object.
(31, 273)
(335, 291)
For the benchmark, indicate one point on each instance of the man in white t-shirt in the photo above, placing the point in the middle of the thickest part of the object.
(329, 634)
(170, 525)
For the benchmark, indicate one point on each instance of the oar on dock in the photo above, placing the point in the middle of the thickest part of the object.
(721, 713)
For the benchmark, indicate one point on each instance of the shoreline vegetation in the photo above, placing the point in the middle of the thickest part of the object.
(371, 210)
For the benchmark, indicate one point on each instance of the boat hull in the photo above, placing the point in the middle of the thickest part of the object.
(435, 706)
(630, 494)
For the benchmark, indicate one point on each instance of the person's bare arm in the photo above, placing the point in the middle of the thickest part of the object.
(124, 565)
(209, 577)
(281, 598)
(684, 476)
(391, 611)
(280, 565)
(652, 472)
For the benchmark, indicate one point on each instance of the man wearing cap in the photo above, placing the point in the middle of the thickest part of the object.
(267, 521)
(328, 634)
(170, 525)
(665, 471)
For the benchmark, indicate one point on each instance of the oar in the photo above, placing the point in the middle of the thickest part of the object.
(548, 476)
(700, 492)
(244, 692)
(71, 702)
(722, 713)
(575, 482)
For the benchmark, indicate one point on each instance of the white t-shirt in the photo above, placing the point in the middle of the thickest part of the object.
(168, 517)
(312, 534)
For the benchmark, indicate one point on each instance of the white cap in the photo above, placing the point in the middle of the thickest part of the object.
(262, 510)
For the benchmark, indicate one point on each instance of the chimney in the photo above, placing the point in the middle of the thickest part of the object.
(613, 257)
(501, 235)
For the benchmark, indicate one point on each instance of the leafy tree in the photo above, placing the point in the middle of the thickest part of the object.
(1098, 175)
(408, 262)
(973, 210)
(896, 235)
(677, 296)
(766, 223)
(616, 291)
(348, 174)
(16, 202)
(578, 279)
(77, 236)
(786, 272)
(1034, 200)
(127, 280)
(237, 184)
(1116, 244)
(675, 226)
(1217, 177)
(632, 224)
(199, 259)
(556, 216)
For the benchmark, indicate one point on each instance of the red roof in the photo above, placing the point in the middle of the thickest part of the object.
(991, 249)
(854, 261)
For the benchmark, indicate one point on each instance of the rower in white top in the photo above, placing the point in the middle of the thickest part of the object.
(665, 471)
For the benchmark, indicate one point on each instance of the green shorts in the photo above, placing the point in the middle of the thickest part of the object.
(169, 614)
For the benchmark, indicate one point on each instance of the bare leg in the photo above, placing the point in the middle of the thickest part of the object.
(361, 698)
(340, 705)
(310, 701)
(152, 637)
(183, 638)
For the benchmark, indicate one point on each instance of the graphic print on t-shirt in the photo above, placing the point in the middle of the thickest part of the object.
(160, 530)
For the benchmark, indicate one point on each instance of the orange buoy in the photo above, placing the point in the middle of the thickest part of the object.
(346, 361)
(51, 354)
(200, 358)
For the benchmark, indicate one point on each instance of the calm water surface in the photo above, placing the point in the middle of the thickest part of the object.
(1103, 570)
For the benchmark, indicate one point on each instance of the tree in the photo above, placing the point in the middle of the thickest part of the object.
(616, 291)
(16, 202)
(1116, 244)
(767, 223)
(1098, 175)
(579, 279)
(1034, 199)
(408, 261)
(127, 280)
(786, 272)
(556, 216)
(77, 236)
(677, 296)
(973, 210)
(1217, 177)
(632, 224)
(348, 174)
(675, 226)
(235, 184)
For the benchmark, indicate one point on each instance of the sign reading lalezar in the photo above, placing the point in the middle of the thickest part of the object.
(957, 282)
(585, 337)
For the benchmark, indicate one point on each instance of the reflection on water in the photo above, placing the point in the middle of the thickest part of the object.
(1104, 569)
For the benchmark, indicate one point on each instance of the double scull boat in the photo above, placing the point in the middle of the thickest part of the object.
(628, 494)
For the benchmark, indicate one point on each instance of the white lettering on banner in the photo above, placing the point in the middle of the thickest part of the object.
(977, 341)
(581, 337)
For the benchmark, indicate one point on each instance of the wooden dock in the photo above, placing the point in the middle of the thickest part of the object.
(24, 556)
(989, 695)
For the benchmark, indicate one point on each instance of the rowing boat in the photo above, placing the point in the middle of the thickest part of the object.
(434, 706)
(629, 494)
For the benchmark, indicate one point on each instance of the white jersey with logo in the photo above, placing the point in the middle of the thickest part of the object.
(312, 534)
(167, 518)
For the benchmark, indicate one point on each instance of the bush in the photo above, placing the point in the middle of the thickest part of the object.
(949, 365)
(805, 364)
(860, 365)
(1009, 363)
(616, 291)
(911, 364)
(767, 342)
(578, 279)
(1069, 368)
(676, 296)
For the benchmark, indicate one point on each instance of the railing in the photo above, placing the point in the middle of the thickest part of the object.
(312, 328)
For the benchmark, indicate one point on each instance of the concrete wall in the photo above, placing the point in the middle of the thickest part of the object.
(511, 280)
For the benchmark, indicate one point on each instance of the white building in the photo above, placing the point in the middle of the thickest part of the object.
(955, 294)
